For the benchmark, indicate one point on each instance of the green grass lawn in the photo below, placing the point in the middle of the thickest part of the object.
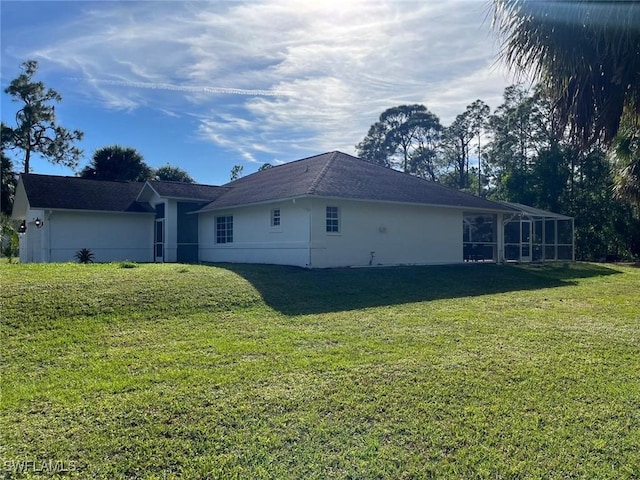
(244, 371)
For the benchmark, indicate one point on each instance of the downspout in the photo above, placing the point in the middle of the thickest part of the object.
(47, 232)
(502, 223)
(310, 234)
(500, 235)
(573, 241)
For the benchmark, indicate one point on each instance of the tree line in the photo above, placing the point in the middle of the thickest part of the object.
(412, 139)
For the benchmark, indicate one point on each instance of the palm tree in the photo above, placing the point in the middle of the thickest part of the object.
(170, 173)
(117, 163)
(587, 52)
(626, 157)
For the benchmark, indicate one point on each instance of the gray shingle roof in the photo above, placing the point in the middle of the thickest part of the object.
(332, 174)
(187, 191)
(73, 193)
(290, 180)
(336, 174)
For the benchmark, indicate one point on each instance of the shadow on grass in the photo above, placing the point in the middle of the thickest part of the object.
(296, 291)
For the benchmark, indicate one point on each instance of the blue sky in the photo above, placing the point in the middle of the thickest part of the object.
(209, 85)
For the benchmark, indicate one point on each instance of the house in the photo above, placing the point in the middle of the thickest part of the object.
(328, 210)
(141, 222)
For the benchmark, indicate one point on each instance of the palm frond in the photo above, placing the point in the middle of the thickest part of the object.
(586, 52)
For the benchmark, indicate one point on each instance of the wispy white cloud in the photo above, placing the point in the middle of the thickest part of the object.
(185, 88)
(281, 77)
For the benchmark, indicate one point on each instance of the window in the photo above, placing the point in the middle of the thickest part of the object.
(275, 217)
(224, 229)
(333, 220)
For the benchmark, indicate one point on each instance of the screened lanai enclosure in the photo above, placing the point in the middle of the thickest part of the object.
(534, 235)
(526, 235)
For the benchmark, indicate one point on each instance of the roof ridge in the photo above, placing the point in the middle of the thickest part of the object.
(177, 182)
(279, 165)
(322, 173)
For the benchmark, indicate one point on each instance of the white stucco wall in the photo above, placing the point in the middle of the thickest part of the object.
(254, 240)
(32, 241)
(398, 234)
(110, 236)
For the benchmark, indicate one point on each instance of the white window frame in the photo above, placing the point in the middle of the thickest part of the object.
(276, 215)
(228, 229)
(335, 220)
